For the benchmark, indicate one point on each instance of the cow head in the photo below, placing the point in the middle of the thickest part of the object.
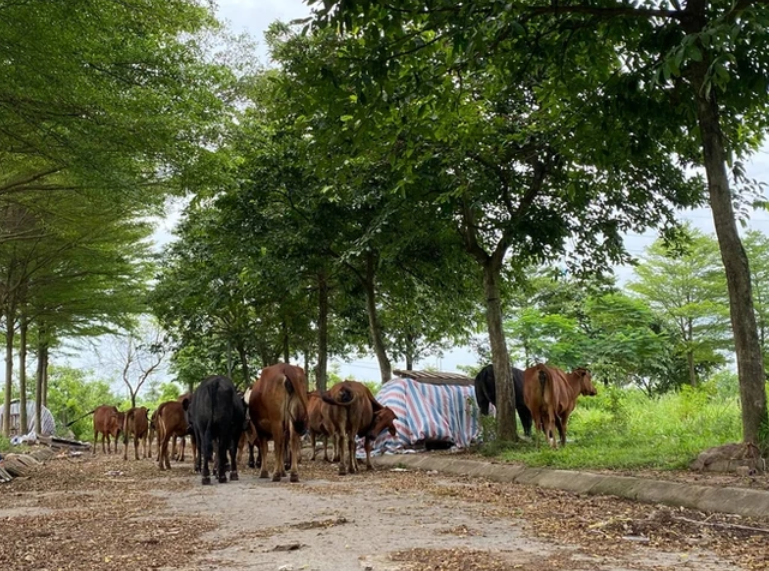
(383, 418)
(585, 382)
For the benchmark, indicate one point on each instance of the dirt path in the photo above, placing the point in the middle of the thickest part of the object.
(104, 513)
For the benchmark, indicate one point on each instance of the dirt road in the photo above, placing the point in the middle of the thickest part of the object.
(104, 513)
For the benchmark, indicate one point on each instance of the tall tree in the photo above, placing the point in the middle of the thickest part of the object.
(706, 58)
(515, 174)
(685, 283)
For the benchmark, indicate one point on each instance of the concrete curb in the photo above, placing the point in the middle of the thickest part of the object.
(744, 502)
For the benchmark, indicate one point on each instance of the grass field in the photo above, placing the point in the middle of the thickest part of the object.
(625, 429)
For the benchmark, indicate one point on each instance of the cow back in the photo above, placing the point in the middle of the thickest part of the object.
(353, 411)
(217, 406)
(278, 397)
(136, 421)
(105, 419)
(171, 419)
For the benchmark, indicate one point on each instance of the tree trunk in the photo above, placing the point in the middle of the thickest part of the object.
(409, 351)
(375, 329)
(244, 365)
(133, 399)
(286, 352)
(45, 373)
(690, 355)
(39, 388)
(10, 318)
(750, 365)
(23, 421)
(321, 372)
(505, 405)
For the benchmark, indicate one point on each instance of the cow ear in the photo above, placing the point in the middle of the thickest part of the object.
(186, 404)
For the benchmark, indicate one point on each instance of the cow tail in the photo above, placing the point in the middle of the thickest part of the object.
(80, 418)
(542, 383)
(293, 402)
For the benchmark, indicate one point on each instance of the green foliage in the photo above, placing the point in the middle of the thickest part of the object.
(71, 394)
(625, 429)
(5, 444)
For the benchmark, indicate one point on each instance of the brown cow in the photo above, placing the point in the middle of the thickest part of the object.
(105, 422)
(171, 421)
(180, 457)
(551, 395)
(319, 426)
(135, 422)
(278, 404)
(351, 410)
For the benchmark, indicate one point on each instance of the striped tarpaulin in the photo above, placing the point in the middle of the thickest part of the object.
(426, 412)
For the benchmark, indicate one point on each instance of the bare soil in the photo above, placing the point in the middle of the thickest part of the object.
(103, 513)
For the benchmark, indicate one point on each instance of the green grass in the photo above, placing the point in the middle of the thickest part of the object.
(5, 444)
(625, 429)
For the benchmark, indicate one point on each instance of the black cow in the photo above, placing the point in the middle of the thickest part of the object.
(486, 392)
(217, 414)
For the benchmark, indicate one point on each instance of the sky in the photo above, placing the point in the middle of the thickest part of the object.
(254, 16)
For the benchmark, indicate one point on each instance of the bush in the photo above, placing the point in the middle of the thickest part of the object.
(624, 428)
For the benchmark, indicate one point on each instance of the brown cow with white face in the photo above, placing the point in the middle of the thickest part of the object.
(106, 421)
(278, 406)
(351, 410)
(136, 422)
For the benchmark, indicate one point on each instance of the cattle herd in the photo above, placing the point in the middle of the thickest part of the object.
(221, 421)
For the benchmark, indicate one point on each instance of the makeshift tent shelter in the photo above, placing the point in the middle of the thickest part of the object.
(46, 419)
(431, 407)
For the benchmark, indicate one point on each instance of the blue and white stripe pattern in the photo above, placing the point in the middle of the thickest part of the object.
(426, 412)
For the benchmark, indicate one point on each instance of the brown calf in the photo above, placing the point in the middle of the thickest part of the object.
(319, 426)
(551, 395)
(351, 410)
(171, 421)
(105, 422)
(135, 422)
(278, 404)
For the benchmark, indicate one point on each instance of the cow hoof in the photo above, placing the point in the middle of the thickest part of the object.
(342, 472)
(234, 477)
(251, 465)
(264, 475)
(294, 478)
(276, 477)
(222, 479)
(206, 480)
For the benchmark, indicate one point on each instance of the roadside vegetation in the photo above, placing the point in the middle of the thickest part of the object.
(626, 429)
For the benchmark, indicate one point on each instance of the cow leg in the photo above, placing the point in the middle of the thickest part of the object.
(206, 451)
(342, 441)
(183, 445)
(352, 444)
(95, 441)
(136, 446)
(234, 460)
(337, 446)
(325, 449)
(312, 444)
(561, 425)
(251, 461)
(278, 435)
(262, 463)
(367, 446)
(221, 460)
(296, 452)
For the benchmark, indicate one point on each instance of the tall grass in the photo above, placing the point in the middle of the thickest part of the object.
(625, 429)
(5, 444)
